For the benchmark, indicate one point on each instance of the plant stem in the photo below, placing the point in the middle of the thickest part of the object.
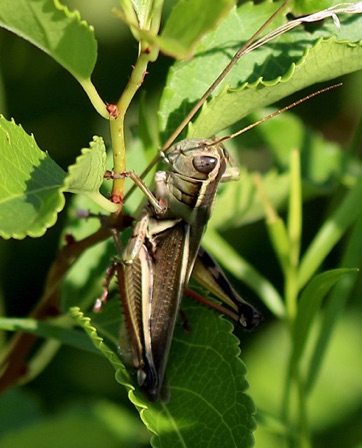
(304, 437)
(94, 97)
(294, 232)
(293, 376)
(117, 125)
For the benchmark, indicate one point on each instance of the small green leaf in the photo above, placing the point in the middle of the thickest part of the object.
(144, 9)
(30, 188)
(50, 26)
(188, 23)
(86, 175)
(309, 305)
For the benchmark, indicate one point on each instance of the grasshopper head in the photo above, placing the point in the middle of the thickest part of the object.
(198, 159)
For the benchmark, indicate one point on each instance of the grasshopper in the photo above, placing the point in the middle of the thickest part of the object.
(164, 250)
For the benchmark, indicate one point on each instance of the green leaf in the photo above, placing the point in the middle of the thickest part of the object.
(86, 175)
(143, 9)
(188, 23)
(60, 331)
(30, 189)
(309, 305)
(294, 61)
(204, 374)
(207, 378)
(54, 29)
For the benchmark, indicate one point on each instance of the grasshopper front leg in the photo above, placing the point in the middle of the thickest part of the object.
(158, 205)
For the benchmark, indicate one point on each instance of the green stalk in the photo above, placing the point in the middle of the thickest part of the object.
(117, 125)
(304, 433)
(294, 227)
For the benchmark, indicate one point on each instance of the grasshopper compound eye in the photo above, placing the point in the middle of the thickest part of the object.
(204, 164)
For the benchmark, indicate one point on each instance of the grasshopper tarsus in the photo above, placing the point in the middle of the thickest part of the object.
(100, 301)
(185, 321)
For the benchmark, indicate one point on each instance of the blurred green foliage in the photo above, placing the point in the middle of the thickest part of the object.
(68, 406)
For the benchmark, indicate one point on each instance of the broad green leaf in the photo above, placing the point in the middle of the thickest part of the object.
(207, 378)
(303, 7)
(309, 305)
(188, 23)
(204, 374)
(30, 188)
(292, 62)
(50, 26)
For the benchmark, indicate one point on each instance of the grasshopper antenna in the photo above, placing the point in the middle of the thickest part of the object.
(246, 48)
(275, 114)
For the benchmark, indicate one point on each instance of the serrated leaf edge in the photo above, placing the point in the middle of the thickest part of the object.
(53, 216)
(82, 155)
(73, 15)
(121, 372)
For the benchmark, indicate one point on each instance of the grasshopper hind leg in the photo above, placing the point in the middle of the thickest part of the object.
(209, 274)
